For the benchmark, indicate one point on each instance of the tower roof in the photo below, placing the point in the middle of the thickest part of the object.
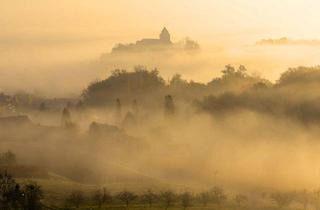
(164, 30)
(165, 35)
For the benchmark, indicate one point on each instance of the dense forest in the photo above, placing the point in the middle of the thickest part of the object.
(293, 95)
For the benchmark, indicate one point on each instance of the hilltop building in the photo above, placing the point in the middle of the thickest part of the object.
(163, 43)
(164, 39)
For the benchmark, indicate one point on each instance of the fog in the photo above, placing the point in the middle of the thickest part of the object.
(185, 98)
(57, 62)
(242, 151)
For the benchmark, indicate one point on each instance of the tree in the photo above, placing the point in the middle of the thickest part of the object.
(135, 107)
(97, 198)
(316, 196)
(303, 197)
(42, 106)
(191, 45)
(8, 158)
(186, 199)
(239, 199)
(282, 199)
(242, 70)
(10, 194)
(123, 84)
(204, 198)
(32, 196)
(169, 105)
(177, 82)
(126, 197)
(118, 109)
(76, 198)
(300, 76)
(217, 195)
(228, 71)
(168, 198)
(149, 196)
(101, 198)
(66, 118)
(106, 197)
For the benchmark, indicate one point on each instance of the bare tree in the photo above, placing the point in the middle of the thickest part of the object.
(316, 199)
(66, 118)
(217, 195)
(204, 198)
(282, 199)
(168, 198)
(303, 197)
(126, 197)
(101, 197)
(240, 199)
(149, 197)
(186, 199)
(76, 198)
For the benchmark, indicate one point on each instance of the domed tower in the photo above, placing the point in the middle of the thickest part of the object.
(165, 36)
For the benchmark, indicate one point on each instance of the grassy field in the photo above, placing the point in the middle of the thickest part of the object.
(56, 190)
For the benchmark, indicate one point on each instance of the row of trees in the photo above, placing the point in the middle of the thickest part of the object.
(14, 196)
(305, 198)
(150, 198)
(235, 87)
(144, 85)
(216, 196)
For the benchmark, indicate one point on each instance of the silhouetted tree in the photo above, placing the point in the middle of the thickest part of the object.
(217, 196)
(123, 84)
(186, 199)
(101, 198)
(191, 45)
(282, 199)
(300, 76)
(316, 195)
(97, 198)
(135, 107)
(129, 120)
(76, 198)
(126, 197)
(240, 199)
(169, 105)
(149, 197)
(204, 198)
(13, 197)
(42, 107)
(32, 196)
(303, 197)
(118, 109)
(66, 118)
(168, 197)
(8, 188)
(8, 158)
(178, 82)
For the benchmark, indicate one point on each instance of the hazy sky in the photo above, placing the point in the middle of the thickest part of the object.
(201, 19)
(41, 36)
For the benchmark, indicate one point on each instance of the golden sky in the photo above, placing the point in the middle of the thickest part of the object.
(43, 38)
(202, 19)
